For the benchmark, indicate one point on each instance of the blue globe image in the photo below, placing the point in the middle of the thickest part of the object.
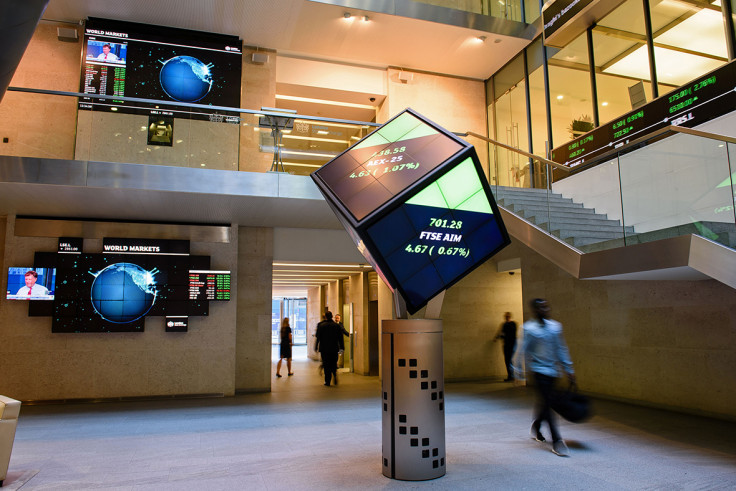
(185, 79)
(123, 292)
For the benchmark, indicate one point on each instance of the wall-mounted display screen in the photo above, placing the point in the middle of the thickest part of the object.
(415, 200)
(115, 290)
(29, 283)
(161, 63)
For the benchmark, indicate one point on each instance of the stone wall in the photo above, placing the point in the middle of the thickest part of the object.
(37, 364)
(253, 339)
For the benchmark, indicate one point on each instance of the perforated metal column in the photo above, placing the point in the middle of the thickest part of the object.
(413, 399)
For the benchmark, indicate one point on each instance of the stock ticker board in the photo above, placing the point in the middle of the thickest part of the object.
(415, 200)
(701, 100)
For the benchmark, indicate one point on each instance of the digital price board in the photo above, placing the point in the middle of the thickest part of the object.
(701, 100)
(415, 200)
(209, 285)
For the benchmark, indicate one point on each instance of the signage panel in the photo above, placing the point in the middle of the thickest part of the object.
(701, 100)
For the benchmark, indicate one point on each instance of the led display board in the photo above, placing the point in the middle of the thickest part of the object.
(701, 100)
(114, 291)
(415, 200)
(160, 63)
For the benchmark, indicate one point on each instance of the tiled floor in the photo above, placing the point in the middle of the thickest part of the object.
(307, 436)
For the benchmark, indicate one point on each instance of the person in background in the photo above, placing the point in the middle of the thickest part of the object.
(338, 319)
(545, 353)
(285, 347)
(32, 290)
(507, 332)
(329, 342)
(106, 55)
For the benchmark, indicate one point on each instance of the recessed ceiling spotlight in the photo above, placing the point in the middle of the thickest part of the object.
(366, 18)
(497, 40)
(559, 97)
(604, 103)
(482, 39)
(347, 15)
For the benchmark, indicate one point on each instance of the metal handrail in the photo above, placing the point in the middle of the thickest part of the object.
(190, 105)
(703, 134)
(516, 150)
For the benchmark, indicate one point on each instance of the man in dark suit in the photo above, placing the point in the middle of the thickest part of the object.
(329, 342)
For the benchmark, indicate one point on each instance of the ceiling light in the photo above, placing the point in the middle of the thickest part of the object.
(347, 15)
(324, 265)
(559, 97)
(497, 40)
(604, 103)
(482, 39)
(324, 101)
(366, 18)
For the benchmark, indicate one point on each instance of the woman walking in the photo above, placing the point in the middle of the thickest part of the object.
(285, 347)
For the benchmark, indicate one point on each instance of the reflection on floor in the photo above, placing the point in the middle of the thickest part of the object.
(303, 435)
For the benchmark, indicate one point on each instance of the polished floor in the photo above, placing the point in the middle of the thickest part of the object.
(303, 435)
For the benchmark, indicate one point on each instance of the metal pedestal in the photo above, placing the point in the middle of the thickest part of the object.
(413, 399)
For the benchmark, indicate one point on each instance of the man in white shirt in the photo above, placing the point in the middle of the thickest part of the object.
(106, 55)
(32, 290)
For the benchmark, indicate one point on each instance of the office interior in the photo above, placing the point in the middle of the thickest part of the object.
(648, 316)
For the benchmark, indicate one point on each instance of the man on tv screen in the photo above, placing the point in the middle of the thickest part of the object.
(106, 55)
(32, 290)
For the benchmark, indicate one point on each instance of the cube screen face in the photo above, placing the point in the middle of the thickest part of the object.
(414, 199)
(438, 235)
(386, 163)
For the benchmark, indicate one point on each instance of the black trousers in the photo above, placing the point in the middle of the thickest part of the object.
(545, 390)
(508, 357)
(329, 362)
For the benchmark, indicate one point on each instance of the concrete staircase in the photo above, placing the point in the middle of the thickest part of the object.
(578, 226)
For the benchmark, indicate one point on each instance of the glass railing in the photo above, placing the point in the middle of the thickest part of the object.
(679, 185)
(504, 9)
(178, 134)
(682, 181)
(677, 181)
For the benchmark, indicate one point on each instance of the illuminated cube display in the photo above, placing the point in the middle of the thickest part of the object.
(416, 202)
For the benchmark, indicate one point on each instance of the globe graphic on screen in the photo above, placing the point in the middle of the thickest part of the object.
(123, 292)
(185, 78)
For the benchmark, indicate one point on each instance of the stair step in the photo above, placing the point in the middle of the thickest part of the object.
(541, 200)
(587, 234)
(554, 212)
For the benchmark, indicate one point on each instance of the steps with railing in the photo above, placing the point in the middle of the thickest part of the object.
(572, 222)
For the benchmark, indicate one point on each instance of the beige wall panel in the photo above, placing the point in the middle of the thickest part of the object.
(315, 307)
(472, 313)
(42, 125)
(454, 103)
(661, 343)
(253, 338)
(258, 90)
(39, 365)
(359, 298)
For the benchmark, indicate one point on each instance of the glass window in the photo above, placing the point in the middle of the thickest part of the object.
(511, 124)
(620, 49)
(570, 92)
(537, 108)
(531, 10)
(689, 40)
(506, 9)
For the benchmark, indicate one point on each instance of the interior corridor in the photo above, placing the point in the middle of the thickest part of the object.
(303, 435)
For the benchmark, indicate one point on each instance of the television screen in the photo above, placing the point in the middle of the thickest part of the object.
(160, 63)
(28, 283)
(115, 292)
